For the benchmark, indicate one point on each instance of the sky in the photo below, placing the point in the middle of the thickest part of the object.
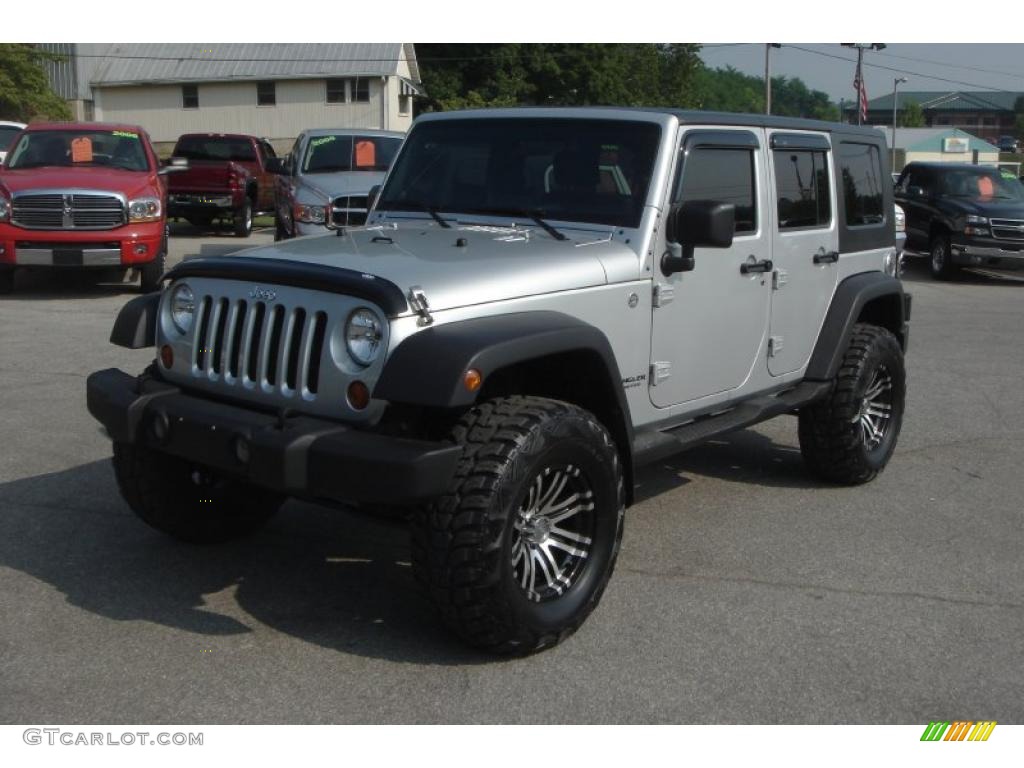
(920, 63)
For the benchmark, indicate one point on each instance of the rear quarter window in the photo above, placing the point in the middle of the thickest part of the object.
(865, 194)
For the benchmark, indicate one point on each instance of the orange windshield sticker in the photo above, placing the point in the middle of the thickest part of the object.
(985, 187)
(81, 150)
(366, 154)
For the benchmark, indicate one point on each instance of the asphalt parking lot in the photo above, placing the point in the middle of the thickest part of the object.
(745, 591)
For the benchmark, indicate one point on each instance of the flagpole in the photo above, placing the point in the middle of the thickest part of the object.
(859, 80)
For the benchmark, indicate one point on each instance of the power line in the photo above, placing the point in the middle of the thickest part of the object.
(952, 66)
(894, 69)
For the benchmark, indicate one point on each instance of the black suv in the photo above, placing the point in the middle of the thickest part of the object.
(963, 216)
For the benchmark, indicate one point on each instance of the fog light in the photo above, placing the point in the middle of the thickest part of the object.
(358, 395)
(472, 379)
(167, 355)
(141, 249)
(242, 451)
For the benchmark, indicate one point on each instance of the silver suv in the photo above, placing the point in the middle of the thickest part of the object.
(541, 301)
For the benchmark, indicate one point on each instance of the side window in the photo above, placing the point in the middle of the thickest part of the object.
(802, 188)
(722, 175)
(861, 179)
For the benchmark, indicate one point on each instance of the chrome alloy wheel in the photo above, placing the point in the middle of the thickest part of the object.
(876, 409)
(553, 533)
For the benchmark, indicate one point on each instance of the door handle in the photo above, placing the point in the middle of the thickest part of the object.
(826, 257)
(751, 267)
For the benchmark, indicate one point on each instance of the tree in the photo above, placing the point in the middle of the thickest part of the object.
(25, 92)
(911, 116)
(486, 75)
(1018, 123)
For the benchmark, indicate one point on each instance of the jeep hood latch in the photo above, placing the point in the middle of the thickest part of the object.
(419, 304)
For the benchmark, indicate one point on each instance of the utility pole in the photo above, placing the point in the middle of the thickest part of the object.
(861, 47)
(768, 76)
(895, 84)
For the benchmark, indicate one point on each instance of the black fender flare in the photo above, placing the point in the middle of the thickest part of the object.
(135, 326)
(848, 302)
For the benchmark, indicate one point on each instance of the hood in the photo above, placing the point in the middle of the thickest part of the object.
(496, 263)
(330, 185)
(999, 209)
(129, 183)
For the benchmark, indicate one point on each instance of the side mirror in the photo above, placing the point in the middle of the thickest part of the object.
(696, 224)
(174, 165)
(277, 166)
(371, 197)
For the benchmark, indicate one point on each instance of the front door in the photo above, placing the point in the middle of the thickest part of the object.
(805, 248)
(709, 323)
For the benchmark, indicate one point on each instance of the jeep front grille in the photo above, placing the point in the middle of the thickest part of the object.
(78, 210)
(1008, 229)
(246, 344)
(349, 211)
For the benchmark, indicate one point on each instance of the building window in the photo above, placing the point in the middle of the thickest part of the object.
(723, 175)
(266, 94)
(361, 89)
(190, 97)
(802, 189)
(336, 91)
(404, 104)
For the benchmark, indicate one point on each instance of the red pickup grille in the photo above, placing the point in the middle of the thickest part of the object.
(67, 211)
(243, 344)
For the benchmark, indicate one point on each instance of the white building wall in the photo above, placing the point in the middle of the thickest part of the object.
(231, 108)
(984, 158)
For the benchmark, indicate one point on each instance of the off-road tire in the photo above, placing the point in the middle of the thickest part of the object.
(280, 232)
(150, 273)
(242, 221)
(940, 259)
(462, 544)
(189, 502)
(831, 441)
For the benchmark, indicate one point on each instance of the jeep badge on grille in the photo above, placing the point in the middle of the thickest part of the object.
(261, 294)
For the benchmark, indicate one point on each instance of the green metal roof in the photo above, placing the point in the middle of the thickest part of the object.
(950, 101)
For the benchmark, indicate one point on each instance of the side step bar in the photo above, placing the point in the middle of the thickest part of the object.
(655, 444)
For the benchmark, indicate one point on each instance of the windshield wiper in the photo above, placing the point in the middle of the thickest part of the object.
(536, 217)
(426, 208)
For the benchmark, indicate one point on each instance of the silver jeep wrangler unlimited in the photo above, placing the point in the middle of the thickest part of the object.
(540, 301)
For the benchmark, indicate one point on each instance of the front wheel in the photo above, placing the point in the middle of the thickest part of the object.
(941, 261)
(187, 501)
(519, 551)
(850, 436)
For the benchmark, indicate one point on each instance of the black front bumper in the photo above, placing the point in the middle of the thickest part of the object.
(300, 456)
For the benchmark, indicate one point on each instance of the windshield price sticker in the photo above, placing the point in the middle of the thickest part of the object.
(81, 150)
(319, 142)
(126, 134)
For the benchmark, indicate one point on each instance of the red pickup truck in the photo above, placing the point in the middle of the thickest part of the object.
(83, 195)
(229, 177)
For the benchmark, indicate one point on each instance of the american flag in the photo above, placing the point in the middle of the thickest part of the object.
(862, 96)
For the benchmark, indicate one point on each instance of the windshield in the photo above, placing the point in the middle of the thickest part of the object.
(114, 149)
(7, 134)
(330, 154)
(981, 185)
(594, 171)
(220, 148)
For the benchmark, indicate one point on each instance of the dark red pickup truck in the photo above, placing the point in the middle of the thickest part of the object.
(228, 179)
(83, 196)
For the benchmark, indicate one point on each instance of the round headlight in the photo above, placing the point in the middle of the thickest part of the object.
(363, 334)
(183, 307)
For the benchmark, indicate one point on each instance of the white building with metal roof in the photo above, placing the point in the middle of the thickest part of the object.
(266, 89)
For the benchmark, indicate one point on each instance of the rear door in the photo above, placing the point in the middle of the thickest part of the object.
(805, 245)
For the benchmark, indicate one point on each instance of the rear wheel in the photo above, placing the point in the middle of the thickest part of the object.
(280, 231)
(850, 436)
(941, 261)
(6, 280)
(519, 552)
(243, 219)
(187, 501)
